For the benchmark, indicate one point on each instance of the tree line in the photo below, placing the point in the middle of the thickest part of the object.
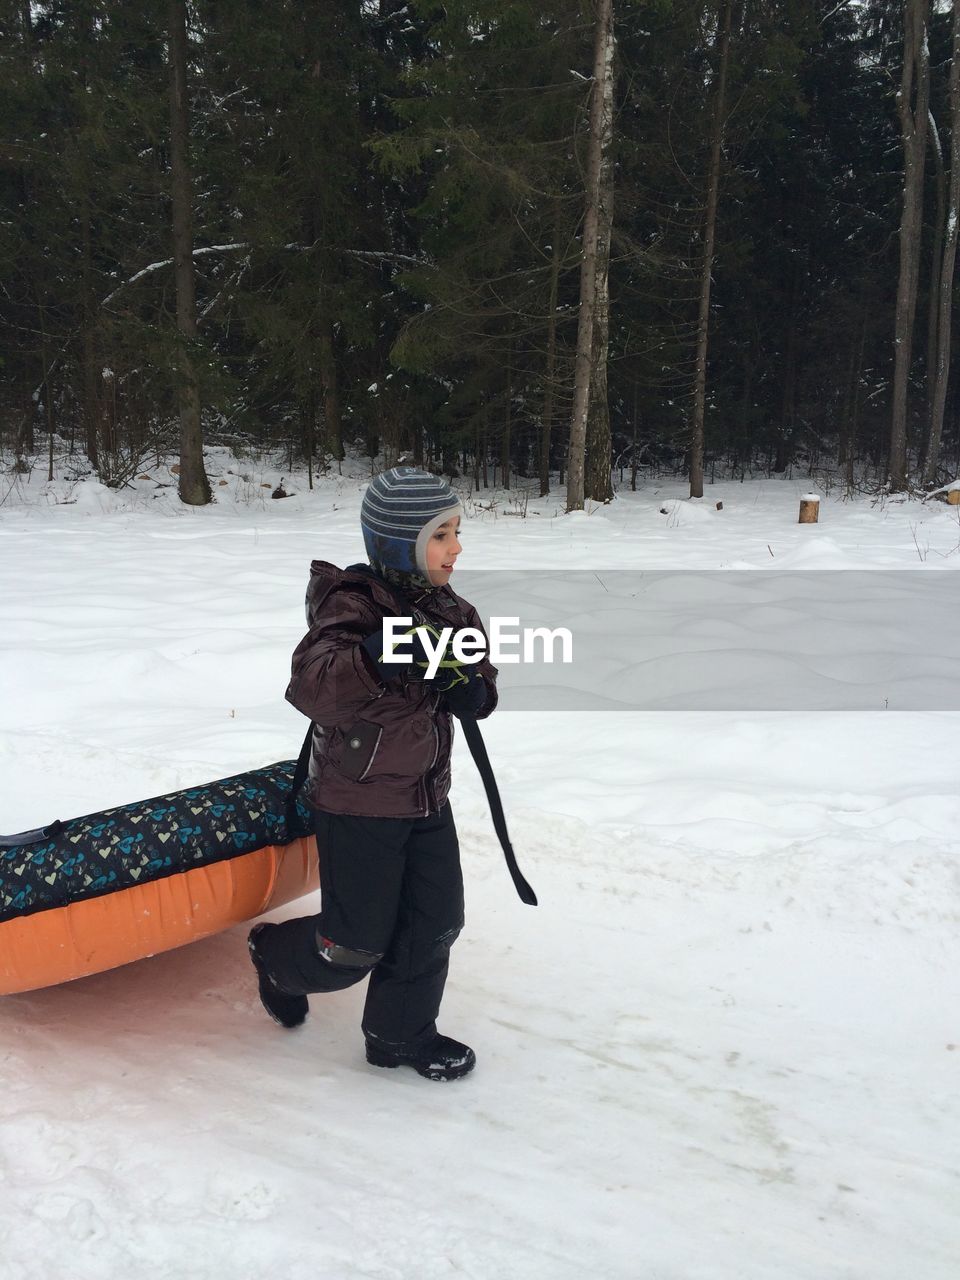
(573, 238)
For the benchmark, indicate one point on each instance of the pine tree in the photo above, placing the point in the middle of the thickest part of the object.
(488, 124)
(945, 267)
(194, 487)
(590, 421)
(913, 101)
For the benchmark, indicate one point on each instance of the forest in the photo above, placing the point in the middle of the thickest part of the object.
(576, 242)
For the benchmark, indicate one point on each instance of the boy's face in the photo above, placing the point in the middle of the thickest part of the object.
(442, 551)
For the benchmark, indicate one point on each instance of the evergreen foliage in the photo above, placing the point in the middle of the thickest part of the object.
(389, 205)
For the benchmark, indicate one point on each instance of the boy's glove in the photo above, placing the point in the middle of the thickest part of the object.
(450, 671)
(375, 646)
(467, 699)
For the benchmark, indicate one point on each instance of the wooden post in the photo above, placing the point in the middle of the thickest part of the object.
(809, 508)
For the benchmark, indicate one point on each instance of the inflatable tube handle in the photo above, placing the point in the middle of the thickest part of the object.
(32, 837)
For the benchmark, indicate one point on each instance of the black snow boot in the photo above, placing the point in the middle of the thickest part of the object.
(283, 1007)
(440, 1059)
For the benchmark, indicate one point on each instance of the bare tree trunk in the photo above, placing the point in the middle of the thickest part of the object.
(550, 374)
(308, 424)
(26, 436)
(636, 424)
(26, 441)
(507, 423)
(374, 432)
(788, 415)
(332, 422)
(23, 440)
(717, 126)
(933, 298)
(745, 442)
(913, 125)
(194, 485)
(47, 387)
(45, 365)
(108, 418)
(597, 482)
(851, 413)
(603, 49)
(941, 371)
(90, 411)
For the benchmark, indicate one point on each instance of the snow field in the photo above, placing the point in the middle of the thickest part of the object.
(726, 1045)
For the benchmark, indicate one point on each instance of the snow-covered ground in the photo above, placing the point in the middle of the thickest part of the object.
(727, 1043)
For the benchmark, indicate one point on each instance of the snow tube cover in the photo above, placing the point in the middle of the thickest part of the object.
(80, 896)
(118, 848)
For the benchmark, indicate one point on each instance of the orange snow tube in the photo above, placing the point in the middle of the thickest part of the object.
(101, 891)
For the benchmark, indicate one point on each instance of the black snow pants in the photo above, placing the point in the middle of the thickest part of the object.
(391, 906)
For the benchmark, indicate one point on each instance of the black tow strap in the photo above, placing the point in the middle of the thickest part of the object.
(299, 778)
(478, 749)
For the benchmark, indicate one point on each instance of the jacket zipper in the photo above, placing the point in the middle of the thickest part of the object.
(373, 754)
(436, 752)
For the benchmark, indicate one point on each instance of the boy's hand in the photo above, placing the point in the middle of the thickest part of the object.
(375, 647)
(450, 671)
(467, 699)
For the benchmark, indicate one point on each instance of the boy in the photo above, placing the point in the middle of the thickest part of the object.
(391, 885)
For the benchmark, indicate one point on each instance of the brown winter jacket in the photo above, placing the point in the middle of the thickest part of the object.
(379, 750)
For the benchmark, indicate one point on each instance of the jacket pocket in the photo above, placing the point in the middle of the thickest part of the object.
(360, 743)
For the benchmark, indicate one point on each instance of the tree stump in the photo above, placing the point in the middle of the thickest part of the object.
(953, 497)
(809, 508)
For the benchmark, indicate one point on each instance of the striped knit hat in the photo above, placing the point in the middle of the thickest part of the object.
(401, 509)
